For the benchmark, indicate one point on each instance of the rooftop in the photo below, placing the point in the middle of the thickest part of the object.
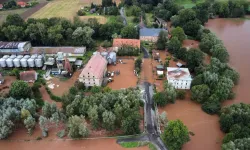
(96, 65)
(178, 73)
(55, 50)
(10, 45)
(150, 31)
(28, 76)
(130, 42)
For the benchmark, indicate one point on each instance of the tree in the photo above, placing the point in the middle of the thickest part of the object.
(106, 3)
(129, 32)
(163, 119)
(138, 63)
(83, 36)
(20, 89)
(223, 88)
(219, 51)
(208, 40)
(13, 33)
(108, 29)
(93, 115)
(181, 53)
(55, 36)
(239, 144)
(179, 33)
(77, 127)
(232, 74)
(211, 107)
(46, 110)
(174, 45)
(108, 120)
(130, 125)
(181, 94)
(170, 92)
(186, 15)
(200, 93)
(194, 58)
(6, 126)
(175, 135)
(43, 122)
(15, 20)
(160, 99)
(162, 40)
(30, 124)
(192, 27)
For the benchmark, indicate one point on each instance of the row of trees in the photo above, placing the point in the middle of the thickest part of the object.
(110, 110)
(234, 121)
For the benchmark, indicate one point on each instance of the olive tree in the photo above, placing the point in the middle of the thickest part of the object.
(170, 92)
(30, 124)
(77, 127)
(108, 120)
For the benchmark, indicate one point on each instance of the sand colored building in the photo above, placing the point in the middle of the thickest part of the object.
(94, 72)
(180, 78)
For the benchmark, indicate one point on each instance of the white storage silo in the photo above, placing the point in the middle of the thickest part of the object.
(39, 61)
(16, 62)
(6, 56)
(20, 56)
(34, 56)
(9, 62)
(23, 61)
(13, 56)
(31, 62)
(3, 62)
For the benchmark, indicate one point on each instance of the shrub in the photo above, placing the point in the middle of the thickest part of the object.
(81, 12)
(106, 44)
(160, 99)
(61, 134)
(20, 89)
(211, 107)
(181, 94)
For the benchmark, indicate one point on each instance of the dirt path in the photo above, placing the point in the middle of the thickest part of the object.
(47, 98)
(32, 10)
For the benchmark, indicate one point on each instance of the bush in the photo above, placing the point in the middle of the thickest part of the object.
(128, 51)
(96, 89)
(181, 94)
(160, 99)
(20, 89)
(52, 96)
(138, 62)
(106, 44)
(81, 12)
(61, 134)
(211, 107)
(79, 85)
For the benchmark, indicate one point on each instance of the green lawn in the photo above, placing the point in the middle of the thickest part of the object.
(138, 144)
(188, 3)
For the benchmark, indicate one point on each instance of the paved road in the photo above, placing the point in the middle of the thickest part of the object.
(145, 52)
(123, 15)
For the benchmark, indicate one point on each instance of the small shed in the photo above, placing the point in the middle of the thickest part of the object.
(160, 73)
(160, 67)
(28, 76)
(178, 64)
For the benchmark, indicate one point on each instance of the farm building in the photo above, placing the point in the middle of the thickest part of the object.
(14, 47)
(129, 42)
(150, 34)
(94, 72)
(28, 76)
(161, 23)
(180, 78)
(67, 51)
(22, 4)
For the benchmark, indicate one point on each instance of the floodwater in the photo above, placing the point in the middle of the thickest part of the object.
(235, 33)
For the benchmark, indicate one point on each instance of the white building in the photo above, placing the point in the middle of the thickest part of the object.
(94, 71)
(180, 78)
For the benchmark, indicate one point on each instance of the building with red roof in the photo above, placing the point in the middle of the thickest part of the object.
(22, 4)
(129, 42)
(28, 76)
(1, 6)
(94, 72)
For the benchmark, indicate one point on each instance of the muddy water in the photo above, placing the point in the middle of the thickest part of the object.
(235, 33)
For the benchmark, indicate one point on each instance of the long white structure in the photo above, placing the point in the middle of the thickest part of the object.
(180, 78)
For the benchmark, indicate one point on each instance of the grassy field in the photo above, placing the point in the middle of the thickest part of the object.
(188, 3)
(4, 14)
(138, 144)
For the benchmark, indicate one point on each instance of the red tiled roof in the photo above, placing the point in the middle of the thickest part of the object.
(28, 76)
(96, 66)
(21, 3)
(130, 42)
(1, 5)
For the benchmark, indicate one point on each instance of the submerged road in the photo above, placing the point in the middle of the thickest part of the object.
(152, 133)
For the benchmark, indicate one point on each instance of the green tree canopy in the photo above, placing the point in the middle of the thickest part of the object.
(162, 40)
(179, 33)
(20, 89)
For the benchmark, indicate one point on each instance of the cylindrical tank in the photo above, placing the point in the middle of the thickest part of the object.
(3, 62)
(23, 62)
(31, 62)
(39, 56)
(16, 62)
(38, 62)
(9, 62)
(34, 56)
(13, 56)
(19, 56)
(6, 56)
(26, 56)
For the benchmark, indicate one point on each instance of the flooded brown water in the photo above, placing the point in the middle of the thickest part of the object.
(235, 33)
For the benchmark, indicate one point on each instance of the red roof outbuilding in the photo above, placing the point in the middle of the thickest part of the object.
(130, 42)
(28, 76)
(22, 4)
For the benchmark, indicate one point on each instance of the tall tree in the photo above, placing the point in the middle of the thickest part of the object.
(77, 127)
(20, 89)
(13, 33)
(83, 36)
(108, 120)
(174, 45)
(175, 135)
(179, 33)
(129, 32)
(194, 58)
(162, 40)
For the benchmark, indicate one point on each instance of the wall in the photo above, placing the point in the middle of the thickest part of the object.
(180, 84)
(149, 38)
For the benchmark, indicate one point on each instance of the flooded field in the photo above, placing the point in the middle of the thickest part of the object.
(235, 33)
